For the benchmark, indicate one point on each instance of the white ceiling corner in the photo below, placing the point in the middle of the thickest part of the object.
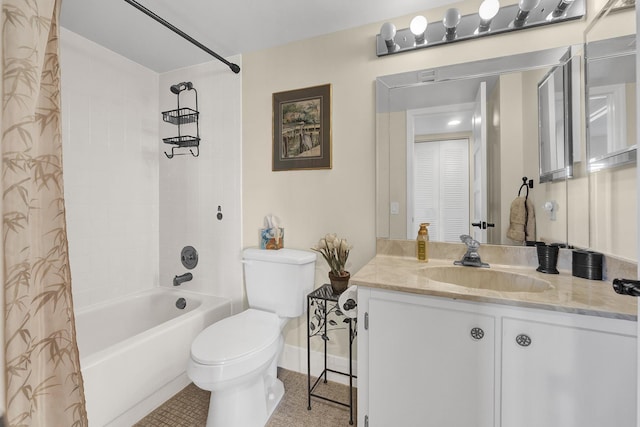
(227, 28)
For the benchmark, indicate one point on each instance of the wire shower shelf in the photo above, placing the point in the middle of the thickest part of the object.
(180, 117)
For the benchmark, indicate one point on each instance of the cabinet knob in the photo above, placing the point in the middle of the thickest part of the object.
(477, 333)
(523, 340)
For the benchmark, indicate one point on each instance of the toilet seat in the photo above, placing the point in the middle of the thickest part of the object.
(250, 334)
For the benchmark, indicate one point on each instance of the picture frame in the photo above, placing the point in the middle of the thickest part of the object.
(302, 129)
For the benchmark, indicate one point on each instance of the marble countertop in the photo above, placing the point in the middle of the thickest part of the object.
(567, 293)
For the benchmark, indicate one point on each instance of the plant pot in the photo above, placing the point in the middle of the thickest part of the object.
(339, 283)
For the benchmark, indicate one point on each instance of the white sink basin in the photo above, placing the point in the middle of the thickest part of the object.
(486, 278)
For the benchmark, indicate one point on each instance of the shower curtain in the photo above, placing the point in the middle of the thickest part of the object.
(42, 378)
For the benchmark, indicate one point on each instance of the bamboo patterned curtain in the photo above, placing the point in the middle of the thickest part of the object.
(43, 382)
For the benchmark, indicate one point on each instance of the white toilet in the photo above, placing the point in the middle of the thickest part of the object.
(237, 357)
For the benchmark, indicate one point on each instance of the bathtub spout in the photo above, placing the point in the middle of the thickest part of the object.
(178, 280)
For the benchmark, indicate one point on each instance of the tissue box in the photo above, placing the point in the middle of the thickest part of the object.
(268, 238)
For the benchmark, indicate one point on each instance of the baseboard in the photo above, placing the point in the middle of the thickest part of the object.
(295, 359)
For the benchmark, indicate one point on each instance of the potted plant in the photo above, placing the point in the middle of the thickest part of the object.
(336, 252)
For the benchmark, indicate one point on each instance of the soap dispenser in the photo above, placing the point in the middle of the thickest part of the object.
(422, 243)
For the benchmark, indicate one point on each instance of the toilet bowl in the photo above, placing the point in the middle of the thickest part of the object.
(236, 358)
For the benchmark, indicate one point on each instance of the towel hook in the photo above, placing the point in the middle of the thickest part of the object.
(526, 183)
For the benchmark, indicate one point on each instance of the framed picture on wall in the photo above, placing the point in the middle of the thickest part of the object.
(302, 129)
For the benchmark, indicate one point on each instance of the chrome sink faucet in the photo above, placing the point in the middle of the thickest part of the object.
(471, 258)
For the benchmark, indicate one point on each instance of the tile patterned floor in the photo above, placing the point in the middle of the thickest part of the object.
(189, 407)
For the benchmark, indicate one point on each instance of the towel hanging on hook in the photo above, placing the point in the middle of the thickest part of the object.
(522, 224)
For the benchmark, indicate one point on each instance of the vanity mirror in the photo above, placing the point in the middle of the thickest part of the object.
(610, 66)
(594, 209)
(611, 141)
(454, 144)
(610, 88)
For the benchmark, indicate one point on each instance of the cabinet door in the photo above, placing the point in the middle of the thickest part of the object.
(567, 376)
(426, 369)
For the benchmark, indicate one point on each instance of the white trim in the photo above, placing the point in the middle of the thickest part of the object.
(294, 359)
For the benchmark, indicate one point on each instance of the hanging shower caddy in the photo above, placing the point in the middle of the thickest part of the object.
(180, 117)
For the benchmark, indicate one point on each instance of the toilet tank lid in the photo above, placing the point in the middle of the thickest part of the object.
(284, 255)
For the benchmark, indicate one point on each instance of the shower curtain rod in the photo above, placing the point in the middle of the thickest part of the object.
(234, 67)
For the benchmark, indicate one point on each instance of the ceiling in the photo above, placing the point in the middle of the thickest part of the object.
(228, 28)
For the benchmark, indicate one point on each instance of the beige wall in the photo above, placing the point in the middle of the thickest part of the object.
(511, 146)
(493, 169)
(342, 200)
(397, 161)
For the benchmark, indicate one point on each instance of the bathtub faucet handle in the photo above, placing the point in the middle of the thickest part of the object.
(178, 280)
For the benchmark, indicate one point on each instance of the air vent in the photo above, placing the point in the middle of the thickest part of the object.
(427, 76)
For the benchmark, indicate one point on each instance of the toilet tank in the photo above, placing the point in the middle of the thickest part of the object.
(279, 280)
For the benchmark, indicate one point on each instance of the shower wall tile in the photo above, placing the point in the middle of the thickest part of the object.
(130, 210)
(110, 137)
(192, 188)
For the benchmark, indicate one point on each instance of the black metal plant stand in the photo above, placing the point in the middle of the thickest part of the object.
(325, 302)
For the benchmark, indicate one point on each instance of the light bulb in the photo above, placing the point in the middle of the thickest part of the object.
(388, 31)
(418, 25)
(450, 21)
(489, 9)
(524, 7)
(451, 18)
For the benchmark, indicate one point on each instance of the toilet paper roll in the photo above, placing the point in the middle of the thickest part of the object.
(348, 302)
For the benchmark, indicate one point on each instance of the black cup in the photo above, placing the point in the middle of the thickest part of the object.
(547, 258)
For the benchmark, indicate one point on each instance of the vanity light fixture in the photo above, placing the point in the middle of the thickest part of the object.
(491, 19)
(450, 22)
(524, 8)
(418, 27)
(487, 11)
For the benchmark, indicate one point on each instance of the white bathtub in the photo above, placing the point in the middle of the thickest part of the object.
(134, 350)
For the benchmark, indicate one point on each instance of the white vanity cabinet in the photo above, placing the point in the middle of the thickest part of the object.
(568, 371)
(430, 361)
(425, 367)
